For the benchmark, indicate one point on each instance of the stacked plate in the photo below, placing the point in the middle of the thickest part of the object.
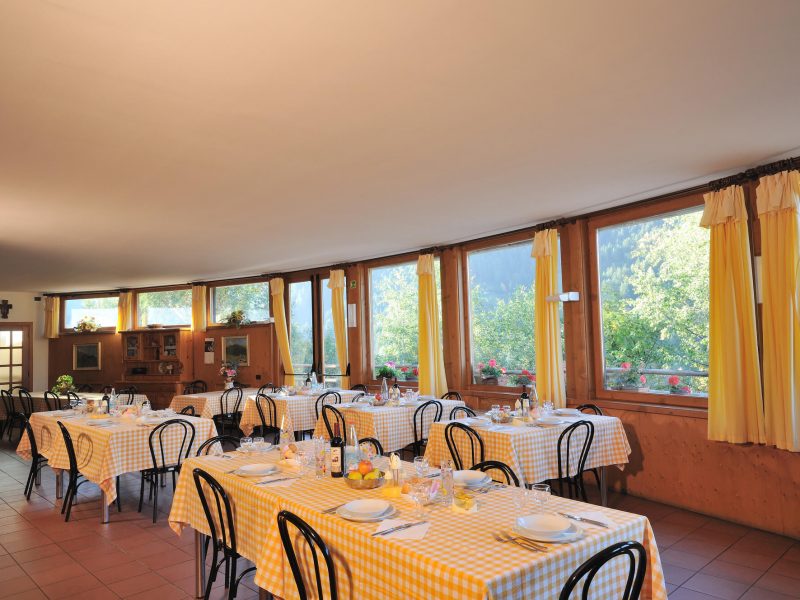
(549, 421)
(547, 527)
(256, 470)
(99, 422)
(470, 479)
(366, 511)
(476, 422)
(568, 412)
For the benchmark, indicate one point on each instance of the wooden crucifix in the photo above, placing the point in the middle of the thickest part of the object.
(4, 308)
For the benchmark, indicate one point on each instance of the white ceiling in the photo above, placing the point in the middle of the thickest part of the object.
(150, 142)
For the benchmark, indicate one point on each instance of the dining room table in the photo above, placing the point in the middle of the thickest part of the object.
(206, 404)
(40, 404)
(392, 426)
(106, 446)
(449, 553)
(530, 448)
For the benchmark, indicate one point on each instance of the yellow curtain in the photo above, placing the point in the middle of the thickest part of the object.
(199, 314)
(52, 319)
(735, 409)
(336, 284)
(281, 332)
(125, 312)
(777, 199)
(547, 327)
(432, 379)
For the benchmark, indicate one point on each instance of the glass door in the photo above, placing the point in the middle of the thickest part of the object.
(15, 354)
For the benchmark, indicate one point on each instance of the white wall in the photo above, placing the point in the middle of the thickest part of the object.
(26, 310)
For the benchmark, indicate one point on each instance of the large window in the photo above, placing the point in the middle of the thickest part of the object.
(329, 357)
(104, 311)
(252, 298)
(394, 317)
(653, 283)
(301, 334)
(501, 281)
(169, 308)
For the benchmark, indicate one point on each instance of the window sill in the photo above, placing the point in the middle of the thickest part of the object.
(695, 401)
(645, 407)
(257, 324)
(102, 330)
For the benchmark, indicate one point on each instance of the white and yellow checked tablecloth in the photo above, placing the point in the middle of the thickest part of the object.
(392, 426)
(457, 558)
(105, 452)
(531, 451)
(206, 404)
(298, 410)
(40, 405)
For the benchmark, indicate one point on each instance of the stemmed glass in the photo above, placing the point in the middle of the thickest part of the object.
(541, 495)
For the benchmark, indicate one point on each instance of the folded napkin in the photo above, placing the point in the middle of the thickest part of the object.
(410, 533)
(284, 483)
(594, 515)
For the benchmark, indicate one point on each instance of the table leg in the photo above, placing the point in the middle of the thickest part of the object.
(264, 594)
(103, 508)
(603, 487)
(199, 564)
(59, 483)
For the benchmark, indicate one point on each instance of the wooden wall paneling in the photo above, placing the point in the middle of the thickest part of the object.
(60, 358)
(454, 349)
(356, 336)
(260, 341)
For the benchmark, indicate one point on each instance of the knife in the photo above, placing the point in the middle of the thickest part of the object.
(398, 528)
(275, 480)
(584, 520)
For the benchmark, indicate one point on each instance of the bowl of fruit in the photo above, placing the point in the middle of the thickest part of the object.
(365, 477)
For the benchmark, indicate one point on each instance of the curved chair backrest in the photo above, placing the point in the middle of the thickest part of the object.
(451, 396)
(25, 402)
(267, 387)
(219, 514)
(222, 440)
(8, 403)
(326, 398)
(330, 415)
(53, 401)
(496, 465)
(357, 397)
(72, 396)
(590, 408)
(568, 467)
(468, 412)
(316, 545)
(359, 387)
(637, 565)
(267, 412)
(73, 458)
(451, 430)
(29, 430)
(188, 410)
(199, 386)
(230, 401)
(125, 395)
(377, 447)
(425, 414)
(106, 389)
(181, 428)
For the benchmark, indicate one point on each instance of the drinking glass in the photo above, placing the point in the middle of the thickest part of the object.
(258, 443)
(321, 446)
(519, 496)
(541, 494)
(246, 444)
(303, 458)
(447, 482)
(73, 403)
(421, 465)
(419, 494)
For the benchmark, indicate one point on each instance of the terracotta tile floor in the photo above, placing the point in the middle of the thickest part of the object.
(43, 557)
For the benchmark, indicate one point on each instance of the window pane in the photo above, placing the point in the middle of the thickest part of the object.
(5, 356)
(5, 338)
(173, 307)
(654, 303)
(16, 356)
(501, 283)
(394, 317)
(104, 311)
(5, 375)
(16, 338)
(252, 298)
(16, 374)
(301, 338)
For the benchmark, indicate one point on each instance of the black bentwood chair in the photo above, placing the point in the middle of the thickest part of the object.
(38, 461)
(637, 565)
(223, 440)
(268, 416)
(52, 401)
(230, 405)
(451, 396)
(583, 434)
(476, 450)
(359, 387)
(458, 410)
(188, 410)
(425, 414)
(315, 545)
(219, 516)
(496, 465)
(590, 408)
(326, 398)
(166, 460)
(12, 420)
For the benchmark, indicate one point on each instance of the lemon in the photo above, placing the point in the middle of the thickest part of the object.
(371, 475)
(355, 475)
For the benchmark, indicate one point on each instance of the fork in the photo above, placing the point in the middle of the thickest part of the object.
(333, 509)
(504, 537)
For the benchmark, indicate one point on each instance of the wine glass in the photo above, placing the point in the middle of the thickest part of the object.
(541, 495)
(421, 465)
(519, 496)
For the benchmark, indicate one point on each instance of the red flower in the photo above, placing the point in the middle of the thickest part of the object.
(674, 380)
(642, 378)
(480, 366)
(533, 377)
(502, 369)
(492, 363)
(686, 389)
(625, 366)
(404, 369)
(415, 370)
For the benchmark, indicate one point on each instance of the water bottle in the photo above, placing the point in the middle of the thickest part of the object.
(351, 453)
(314, 380)
(447, 482)
(384, 390)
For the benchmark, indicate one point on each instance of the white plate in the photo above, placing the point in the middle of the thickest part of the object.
(368, 508)
(572, 534)
(389, 512)
(475, 422)
(470, 479)
(543, 524)
(549, 421)
(256, 470)
(568, 412)
(98, 422)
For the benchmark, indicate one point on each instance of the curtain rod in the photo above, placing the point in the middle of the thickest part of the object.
(756, 173)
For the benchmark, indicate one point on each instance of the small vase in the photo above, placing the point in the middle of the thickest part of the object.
(228, 384)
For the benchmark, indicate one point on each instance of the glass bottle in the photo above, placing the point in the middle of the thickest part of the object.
(384, 390)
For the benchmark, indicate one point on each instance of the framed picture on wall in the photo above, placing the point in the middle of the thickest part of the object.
(235, 350)
(86, 357)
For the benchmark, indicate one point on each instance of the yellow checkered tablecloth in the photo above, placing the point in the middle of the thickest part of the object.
(40, 405)
(458, 557)
(298, 411)
(392, 426)
(105, 452)
(206, 404)
(531, 451)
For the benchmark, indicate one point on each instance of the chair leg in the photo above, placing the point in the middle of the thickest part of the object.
(119, 493)
(155, 499)
(31, 478)
(141, 493)
(212, 575)
(231, 585)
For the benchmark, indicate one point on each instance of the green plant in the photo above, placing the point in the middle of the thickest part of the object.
(64, 384)
(490, 369)
(237, 318)
(388, 371)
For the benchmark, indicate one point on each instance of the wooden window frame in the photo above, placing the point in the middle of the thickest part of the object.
(627, 215)
(170, 288)
(211, 287)
(27, 348)
(62, 312)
